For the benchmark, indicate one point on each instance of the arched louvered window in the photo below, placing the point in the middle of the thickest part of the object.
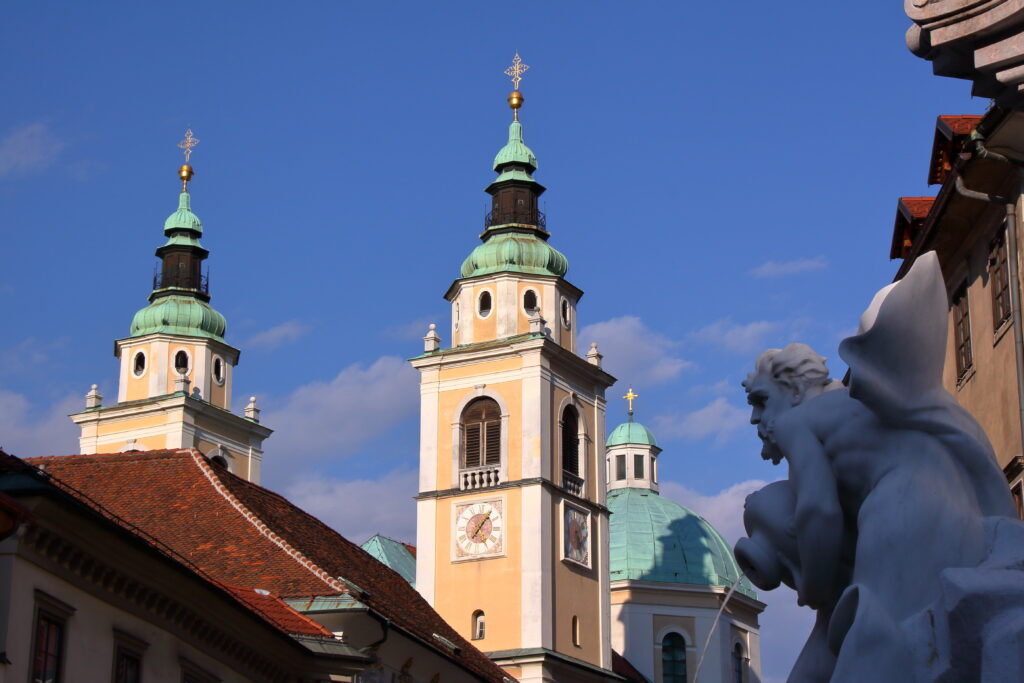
(673, 659)
(479, 625)
(571, 441)
(481, 433)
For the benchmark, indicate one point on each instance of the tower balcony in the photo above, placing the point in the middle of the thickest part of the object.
(471, 478)
(522, 216)
(182, 280)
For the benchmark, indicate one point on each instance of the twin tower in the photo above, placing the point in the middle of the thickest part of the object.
(512, 528)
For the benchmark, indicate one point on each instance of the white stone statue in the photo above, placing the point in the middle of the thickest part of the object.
(895, 523)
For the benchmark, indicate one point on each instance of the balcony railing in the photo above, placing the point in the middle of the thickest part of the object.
(572, 484)
(173, 280)
(524, 217)
(479, 477)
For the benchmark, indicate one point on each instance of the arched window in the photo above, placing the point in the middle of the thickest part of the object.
(738, 663)
(481, 433)
(479, 625)
(530, 301)
(571, 441)
(181, 362)
(576, 631)
(139, 364)
(673, 659)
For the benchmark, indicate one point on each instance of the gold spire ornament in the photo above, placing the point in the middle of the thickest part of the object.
(629, 397)
(515, 72)
(186, 172)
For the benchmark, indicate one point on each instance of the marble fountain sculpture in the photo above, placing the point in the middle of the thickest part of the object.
(895, 524)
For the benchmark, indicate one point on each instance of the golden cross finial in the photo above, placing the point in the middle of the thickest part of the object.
(629, 397)
(516, 71)
(188, 143)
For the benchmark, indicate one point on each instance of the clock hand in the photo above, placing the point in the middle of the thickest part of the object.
(480, 525)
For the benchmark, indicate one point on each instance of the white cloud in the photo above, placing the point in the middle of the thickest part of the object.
(28, 149)
(633, 352)
(335, 418)
(360, 508)
(780, 268)
(278, 336)
(784, 625)
(719, 419)
(27, 432)
(748, 338)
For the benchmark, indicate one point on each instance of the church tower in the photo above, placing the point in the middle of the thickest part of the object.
(176, 370)
(512, 528)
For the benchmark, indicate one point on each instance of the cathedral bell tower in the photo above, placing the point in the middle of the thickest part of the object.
(174, 388)
(512, 528)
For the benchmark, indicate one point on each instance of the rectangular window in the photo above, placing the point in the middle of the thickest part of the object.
(620, 467)
(962, 331)
(48, 652)
(127, 666)
(999, 282)
(638, 465)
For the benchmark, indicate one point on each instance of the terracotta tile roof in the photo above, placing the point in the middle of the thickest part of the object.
(244, 535)
(917, 207)
(950, 134)
(960, 125)
(910, 214)
(274, 610)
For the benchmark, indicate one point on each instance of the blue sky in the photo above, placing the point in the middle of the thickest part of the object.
(723, 179)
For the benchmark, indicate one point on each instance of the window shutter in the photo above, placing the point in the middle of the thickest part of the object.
(493, 442)
(472, 449)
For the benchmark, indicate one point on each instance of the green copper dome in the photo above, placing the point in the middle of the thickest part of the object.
(183, 218)
(518, 252)
(177, 314)
(631, 432)
(655, 539)
(515, 150)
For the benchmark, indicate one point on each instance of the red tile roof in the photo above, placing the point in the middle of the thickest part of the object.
(624, 668)
(959, 125)
(910, 213)
(917, 207)
(276, 611)
(244, 535)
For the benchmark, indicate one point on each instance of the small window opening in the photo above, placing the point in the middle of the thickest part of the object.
(737, 663)
(620, 467)
(139, 364)
(576, 631)
(530, 301)
(638, 465)
(485, 304)
(570, 441)
(218, 370)
(565, 312)
(181, 362)
(479, 625)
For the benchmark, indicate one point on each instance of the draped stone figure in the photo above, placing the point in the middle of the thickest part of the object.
(895, 522)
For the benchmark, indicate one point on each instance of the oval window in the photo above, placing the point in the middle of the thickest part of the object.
(181, 362)
(218, 370)
(485, 304)
(139, 364)
(530, 301)
(566, 312)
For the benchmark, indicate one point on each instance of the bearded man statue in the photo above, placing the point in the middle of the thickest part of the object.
(893, 492)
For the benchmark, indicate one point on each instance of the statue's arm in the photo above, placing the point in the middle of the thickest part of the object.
(818, 517)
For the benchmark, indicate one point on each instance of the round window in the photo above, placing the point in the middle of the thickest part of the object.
(485, 304)
(139, 364)
(181, 362)
(218, 370)
(530, 301)
(566, 313)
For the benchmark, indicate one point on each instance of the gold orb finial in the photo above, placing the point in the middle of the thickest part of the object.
(185, 173)
(515, 72)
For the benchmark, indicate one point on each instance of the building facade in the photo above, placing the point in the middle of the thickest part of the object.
(973, 226)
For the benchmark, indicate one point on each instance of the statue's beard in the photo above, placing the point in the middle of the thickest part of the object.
(769, 449)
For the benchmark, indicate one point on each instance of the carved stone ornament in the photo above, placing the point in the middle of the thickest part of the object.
(895, 524)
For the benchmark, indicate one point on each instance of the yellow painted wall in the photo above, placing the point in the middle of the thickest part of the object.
(523, 320)
(138, 387)
(492, 585)
(449, 401)
(135, 423)
(218, 392)
(576, 592)
(172, 373)
(485, 329)
(480, 369)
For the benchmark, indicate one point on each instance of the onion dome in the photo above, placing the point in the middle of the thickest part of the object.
(183, 218)
(655, 539)
(177, 314)
(515, 151)
(516, 252)
(631, 433)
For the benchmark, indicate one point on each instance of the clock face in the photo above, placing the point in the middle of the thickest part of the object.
(576, 529)
(478, 529)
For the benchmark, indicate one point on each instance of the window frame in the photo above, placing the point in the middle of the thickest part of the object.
(487, 436)
(174, 361)
(999, 281)
(145, 363)
(59, 613)
(620, 467)
(131, 646)
(665, 676)
(962, 347)
(571, 438)
(478, 625)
